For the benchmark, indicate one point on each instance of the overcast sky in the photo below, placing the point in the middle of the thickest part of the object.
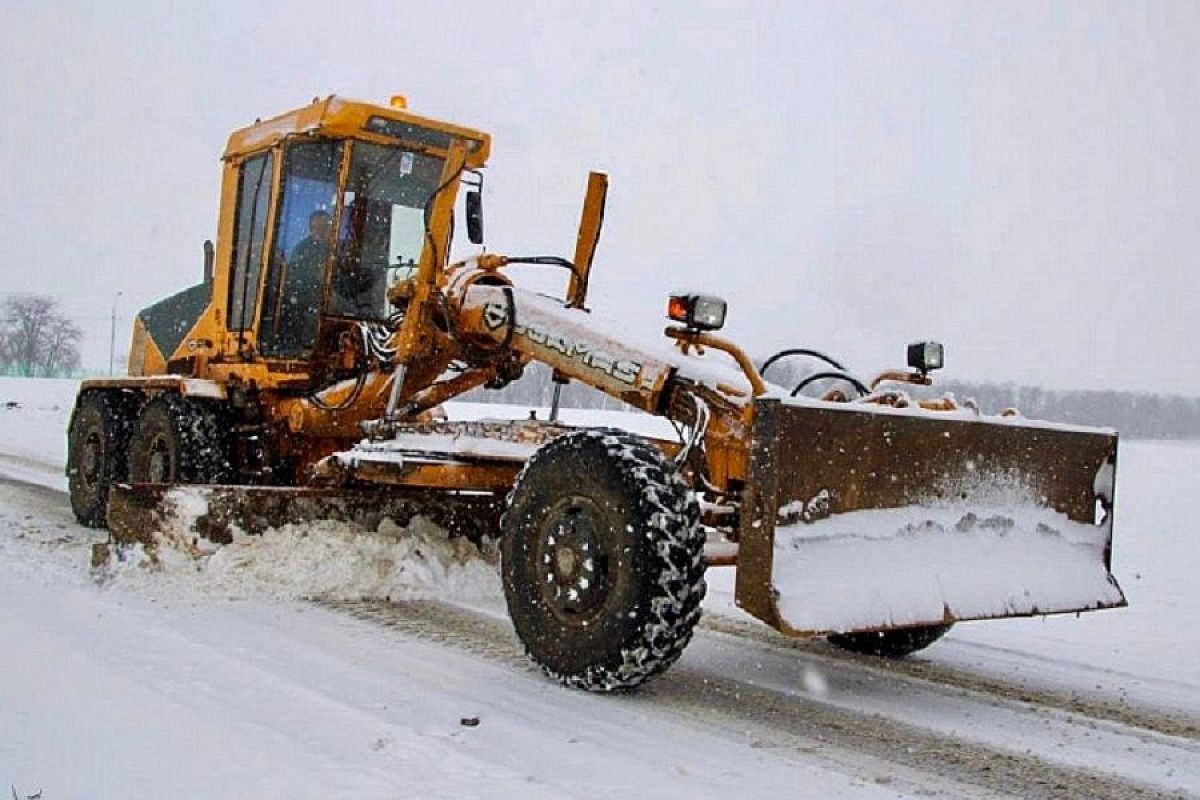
(1018, 180)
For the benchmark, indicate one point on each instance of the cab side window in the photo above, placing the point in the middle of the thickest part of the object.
(250, 228)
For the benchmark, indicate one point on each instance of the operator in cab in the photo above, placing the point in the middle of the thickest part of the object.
(306, 264)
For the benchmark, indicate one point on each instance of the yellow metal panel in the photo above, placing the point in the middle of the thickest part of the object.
(144, 355)
(340, 118)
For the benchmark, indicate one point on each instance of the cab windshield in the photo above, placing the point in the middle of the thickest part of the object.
(381, 229)
(365, 238)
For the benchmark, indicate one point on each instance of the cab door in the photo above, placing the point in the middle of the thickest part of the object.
(302, 245)
(255, 181)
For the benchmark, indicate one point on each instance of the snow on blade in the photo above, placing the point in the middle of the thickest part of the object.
(994, 553)
(964, 413)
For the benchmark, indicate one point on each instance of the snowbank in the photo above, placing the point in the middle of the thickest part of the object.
(324, 560)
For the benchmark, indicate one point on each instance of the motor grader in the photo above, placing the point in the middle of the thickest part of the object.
(305, 377)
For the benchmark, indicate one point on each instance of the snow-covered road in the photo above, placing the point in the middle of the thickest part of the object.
(178, 683)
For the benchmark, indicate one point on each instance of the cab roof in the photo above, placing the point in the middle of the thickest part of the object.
(338, 117)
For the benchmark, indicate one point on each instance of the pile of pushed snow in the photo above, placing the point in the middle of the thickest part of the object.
(323, 559)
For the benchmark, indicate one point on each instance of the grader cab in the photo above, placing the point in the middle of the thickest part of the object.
(305, 378)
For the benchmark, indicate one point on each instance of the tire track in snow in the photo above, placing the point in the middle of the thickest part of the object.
(22, 470)
(38, 496)
(784, 721)
(1156, 720)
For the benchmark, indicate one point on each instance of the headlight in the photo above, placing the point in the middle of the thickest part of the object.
(702, 312)
(926, 356)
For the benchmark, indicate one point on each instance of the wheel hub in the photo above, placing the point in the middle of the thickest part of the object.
(161, 470)
(93, 457)
(573, 579)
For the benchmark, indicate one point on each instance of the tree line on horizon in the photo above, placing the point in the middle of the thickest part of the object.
(1139, 415)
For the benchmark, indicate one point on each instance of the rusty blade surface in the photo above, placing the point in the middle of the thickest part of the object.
(137, 512)
(863, 518)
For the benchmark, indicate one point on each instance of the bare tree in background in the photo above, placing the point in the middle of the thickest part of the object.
(35, 338)
(62, 347)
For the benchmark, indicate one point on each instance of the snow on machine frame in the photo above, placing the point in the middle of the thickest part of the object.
(303, 378)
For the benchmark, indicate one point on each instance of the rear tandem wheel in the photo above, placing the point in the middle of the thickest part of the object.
(177, 440)
(96, 455)
(602, 560)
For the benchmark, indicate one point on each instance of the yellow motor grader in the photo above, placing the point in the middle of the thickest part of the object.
(305, 376)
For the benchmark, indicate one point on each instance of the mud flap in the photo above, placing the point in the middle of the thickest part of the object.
(139, 512)
(859, 518)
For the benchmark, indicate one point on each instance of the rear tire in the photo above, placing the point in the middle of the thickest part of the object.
(178, 441)
(602, 560)
(96, 451)
(895, 643)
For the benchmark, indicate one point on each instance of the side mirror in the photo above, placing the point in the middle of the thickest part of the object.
(474, 201)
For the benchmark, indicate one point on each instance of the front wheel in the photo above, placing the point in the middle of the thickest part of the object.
(602, 560)
(895, 643)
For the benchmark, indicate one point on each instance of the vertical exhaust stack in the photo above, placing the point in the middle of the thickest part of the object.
(208, 262)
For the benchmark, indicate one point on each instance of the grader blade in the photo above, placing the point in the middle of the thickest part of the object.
(862, 518)
(138, 513)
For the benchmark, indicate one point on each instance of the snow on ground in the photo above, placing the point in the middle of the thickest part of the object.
(159, 693)
(33, 419)
(207, 678)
